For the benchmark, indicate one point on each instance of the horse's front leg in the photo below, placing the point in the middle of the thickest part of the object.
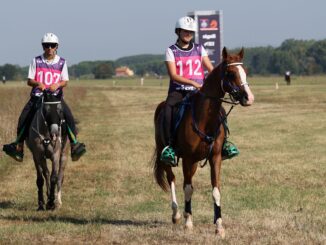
(189, 168)
(53, 183)
(215, 163)
(174, 205)
(39, 162)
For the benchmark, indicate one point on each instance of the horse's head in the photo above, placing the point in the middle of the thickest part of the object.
(234, 78)
(52, 110)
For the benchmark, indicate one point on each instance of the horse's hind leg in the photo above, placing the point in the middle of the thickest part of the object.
(176, 217)
(189, 170)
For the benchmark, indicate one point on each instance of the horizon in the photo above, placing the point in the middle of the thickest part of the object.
(135, 55)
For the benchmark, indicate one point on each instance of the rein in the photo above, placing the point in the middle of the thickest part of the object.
(207, 138)
(45, 141)
(211, 139)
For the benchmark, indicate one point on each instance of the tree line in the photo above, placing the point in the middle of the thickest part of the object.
(301, 57)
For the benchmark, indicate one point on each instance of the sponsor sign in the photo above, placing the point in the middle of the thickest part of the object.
(209, 35)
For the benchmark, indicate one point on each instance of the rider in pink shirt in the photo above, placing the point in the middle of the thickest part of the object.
(185, 62)
(46, 72)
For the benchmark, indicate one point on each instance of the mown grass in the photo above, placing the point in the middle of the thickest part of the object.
(272, 193)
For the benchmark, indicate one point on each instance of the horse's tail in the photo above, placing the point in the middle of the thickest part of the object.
(159, 172)
(158, 167)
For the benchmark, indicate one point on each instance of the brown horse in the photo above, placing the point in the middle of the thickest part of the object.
(201, 134)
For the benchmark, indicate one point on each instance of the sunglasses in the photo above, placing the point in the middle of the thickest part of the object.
(49, 45)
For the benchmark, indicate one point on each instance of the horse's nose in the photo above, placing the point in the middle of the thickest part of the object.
(250, 96)
(54, 129)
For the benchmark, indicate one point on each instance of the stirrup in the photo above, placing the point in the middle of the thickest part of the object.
(229, 150)
(11, 150)
(168, 156)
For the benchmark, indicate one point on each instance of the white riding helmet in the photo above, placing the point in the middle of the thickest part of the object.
(186, 23)
(50, 38)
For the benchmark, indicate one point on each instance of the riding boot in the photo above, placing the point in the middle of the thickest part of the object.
(229, 150)
(168, 155)
(15, 150)
(77, 150)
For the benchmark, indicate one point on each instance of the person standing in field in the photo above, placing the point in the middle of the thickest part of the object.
(185, 62)
(48, 72)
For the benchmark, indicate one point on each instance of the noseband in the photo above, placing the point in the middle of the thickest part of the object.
(235, 93)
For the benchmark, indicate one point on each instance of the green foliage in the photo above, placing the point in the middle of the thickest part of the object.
(11, 72)
(302, 57)
(142, 64)
(103, 70)
(98, 69)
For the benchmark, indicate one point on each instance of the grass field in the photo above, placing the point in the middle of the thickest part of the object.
(274, 192)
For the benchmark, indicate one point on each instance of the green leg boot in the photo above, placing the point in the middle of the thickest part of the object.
(168, 156)
(229, 150)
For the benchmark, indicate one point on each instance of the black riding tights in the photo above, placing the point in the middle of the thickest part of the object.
(170, 106)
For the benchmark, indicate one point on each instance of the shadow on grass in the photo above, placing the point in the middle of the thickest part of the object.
(6, 204)
(77, 221)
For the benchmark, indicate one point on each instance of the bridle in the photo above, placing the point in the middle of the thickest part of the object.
(235, 93)
(46, 141)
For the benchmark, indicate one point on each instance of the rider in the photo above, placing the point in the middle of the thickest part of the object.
(48, 71)
(185, 62)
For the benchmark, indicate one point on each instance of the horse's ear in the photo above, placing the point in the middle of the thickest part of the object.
(224, 53)
(241, 53)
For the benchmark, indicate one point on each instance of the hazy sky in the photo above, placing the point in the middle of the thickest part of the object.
(107, 30)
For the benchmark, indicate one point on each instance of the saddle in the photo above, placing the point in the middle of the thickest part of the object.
(178, 114)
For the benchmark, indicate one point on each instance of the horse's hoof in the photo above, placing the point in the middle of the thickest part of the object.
(50, 206)
(58, 205)
(188, 221)
(220, 232)
(41, 208)
(189, 226)
(176, 218)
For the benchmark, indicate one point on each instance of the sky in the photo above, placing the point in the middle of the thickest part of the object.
(108, 29)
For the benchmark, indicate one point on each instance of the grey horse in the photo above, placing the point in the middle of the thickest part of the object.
(47, 140)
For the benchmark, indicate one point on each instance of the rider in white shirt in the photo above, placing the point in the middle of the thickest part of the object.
(49, 72)
(185, 62)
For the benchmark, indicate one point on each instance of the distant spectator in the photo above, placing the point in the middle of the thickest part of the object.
(287, 77)
(3, 79)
